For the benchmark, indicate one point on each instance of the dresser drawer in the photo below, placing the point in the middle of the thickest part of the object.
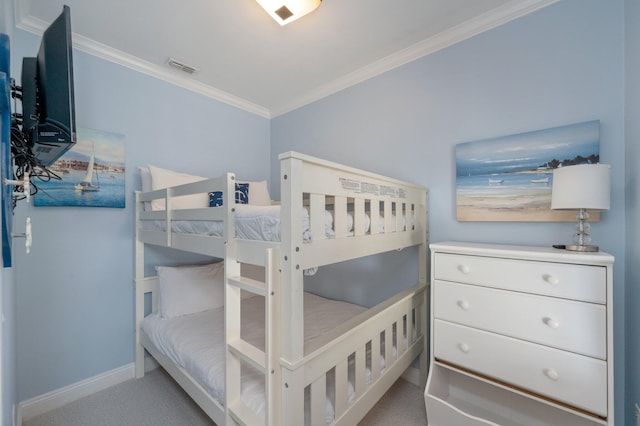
(569, 281)
(564, 376)
(565, 324)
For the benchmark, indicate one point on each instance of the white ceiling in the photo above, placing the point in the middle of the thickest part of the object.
(247, 60)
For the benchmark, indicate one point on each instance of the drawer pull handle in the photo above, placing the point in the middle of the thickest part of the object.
(464, 347)
(463, 304)
(550, 279)
(551, 373)
(552, 323)
(463, 268)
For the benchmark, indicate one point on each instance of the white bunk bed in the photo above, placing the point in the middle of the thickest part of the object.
(339, 375)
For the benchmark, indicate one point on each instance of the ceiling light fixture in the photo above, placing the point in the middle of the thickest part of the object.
(285, 11)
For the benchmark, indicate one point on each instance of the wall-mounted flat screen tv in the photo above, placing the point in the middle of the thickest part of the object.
(48, 105)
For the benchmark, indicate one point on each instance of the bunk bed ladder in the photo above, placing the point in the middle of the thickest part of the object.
(240, 352)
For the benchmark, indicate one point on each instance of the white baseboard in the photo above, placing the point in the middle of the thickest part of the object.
(49, 401)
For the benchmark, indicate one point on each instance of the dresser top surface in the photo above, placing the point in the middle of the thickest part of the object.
(540, 253)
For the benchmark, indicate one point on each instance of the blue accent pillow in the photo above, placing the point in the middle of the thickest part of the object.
(242, 196)
(215, 199)
(242, 193)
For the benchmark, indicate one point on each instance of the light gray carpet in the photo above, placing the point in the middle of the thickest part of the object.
(156, 400)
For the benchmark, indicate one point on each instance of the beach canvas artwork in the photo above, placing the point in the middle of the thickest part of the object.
(509, 178)
(92, 173)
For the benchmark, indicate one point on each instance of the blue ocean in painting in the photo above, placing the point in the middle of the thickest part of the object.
(530, 151)
(63, 193)
(504, 184)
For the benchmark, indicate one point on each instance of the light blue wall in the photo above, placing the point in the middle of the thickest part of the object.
(75, 290)
(560, 65)
(6, 20)
(632, 188)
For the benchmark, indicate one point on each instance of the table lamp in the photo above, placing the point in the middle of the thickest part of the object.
(582, 187)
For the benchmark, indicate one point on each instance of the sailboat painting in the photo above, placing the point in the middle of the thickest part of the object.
(91, 174)
(87, 183)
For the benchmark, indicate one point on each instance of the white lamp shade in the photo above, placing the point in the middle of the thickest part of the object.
(285, 11)
(585, 186)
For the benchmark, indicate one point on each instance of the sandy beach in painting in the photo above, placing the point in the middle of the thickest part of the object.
(534, 207)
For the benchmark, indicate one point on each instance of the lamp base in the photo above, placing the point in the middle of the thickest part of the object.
(582, 247)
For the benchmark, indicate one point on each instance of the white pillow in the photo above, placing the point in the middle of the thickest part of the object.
(189, 289)
(163, 178)
(258, 193)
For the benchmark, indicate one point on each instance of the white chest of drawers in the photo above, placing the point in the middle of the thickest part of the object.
(520, 336)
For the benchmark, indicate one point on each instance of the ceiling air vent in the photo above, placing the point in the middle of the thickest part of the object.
(182, 66)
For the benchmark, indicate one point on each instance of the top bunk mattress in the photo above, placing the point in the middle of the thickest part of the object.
(254, 222)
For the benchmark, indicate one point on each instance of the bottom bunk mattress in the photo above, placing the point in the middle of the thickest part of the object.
(195, 342)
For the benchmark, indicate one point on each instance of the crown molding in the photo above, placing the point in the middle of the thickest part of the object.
(92, 47)
(169, 75)
(485, 22)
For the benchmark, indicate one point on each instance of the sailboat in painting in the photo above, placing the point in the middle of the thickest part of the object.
(87, 183)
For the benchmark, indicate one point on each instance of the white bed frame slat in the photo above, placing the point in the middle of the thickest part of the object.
(249, 284)
(359, 221)
(319, 400)
(249, 354)
(251, 252)
(341, 386)
(317, 210)
(375, 217)
(288, 364)
(375, 358)
(402, 334)
(210, 246)
(273, 377)
(340, 217)
(329, 251)
(388, 213)
(235, 409)
(360, 367)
